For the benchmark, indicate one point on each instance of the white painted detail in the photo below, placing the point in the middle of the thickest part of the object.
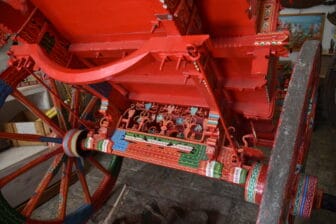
(209, 172)
(236, 175)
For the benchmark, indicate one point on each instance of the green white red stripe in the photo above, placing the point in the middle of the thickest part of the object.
(239, 175)
(252, 182)
(213, 169)
(104, 145)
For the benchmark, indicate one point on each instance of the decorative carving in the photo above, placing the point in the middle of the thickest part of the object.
(303, 202)
(170, 120)
(255, 183)
(39, 30)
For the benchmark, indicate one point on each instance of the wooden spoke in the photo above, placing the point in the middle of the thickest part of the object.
(94, 92)
(6, 179)
(29, 137)
(33, 201)
(60, 101)
(56, 101)
(82, 179)
(89, 107)
(38, 112)
(75, 99)
(95, 163)
(64, 188)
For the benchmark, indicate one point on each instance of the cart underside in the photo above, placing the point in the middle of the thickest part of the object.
(183, 84)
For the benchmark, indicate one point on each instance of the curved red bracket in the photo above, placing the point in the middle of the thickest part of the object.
(79, 76)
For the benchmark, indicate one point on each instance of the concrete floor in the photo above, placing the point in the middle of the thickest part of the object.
(194, 199)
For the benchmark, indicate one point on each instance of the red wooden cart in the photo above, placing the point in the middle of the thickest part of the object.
(190, 85)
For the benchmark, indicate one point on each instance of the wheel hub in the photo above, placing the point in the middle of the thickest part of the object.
(72, 142)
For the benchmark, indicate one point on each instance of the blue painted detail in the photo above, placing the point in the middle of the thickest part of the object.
(120, 146)
(304, 195)
(212, 122)
(118, 141)
(80, 164)
(103, 88)
(5, 90)
(193, 110)
(159, 118)
(179, 121)
(298, 168)
(50, 139)
(118, 134)
(80, 215)
(214, 116)
(148, 106)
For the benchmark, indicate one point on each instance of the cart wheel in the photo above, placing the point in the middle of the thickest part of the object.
(63, 169)
(308, 123)
(292, 138)
(303, 151)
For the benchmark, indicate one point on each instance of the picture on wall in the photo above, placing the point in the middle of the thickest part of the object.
(302, 27)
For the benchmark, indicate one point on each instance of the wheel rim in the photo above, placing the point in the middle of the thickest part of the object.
(69, 116)
(308, 125)
(307, 130)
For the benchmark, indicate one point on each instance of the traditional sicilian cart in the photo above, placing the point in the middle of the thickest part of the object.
(184, 84)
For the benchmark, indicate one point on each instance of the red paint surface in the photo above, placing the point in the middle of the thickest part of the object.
(214, 54)
(104, 20)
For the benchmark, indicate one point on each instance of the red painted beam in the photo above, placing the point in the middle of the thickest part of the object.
(172, 45)
(245, 46)
(106, 46)
(78, 76)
